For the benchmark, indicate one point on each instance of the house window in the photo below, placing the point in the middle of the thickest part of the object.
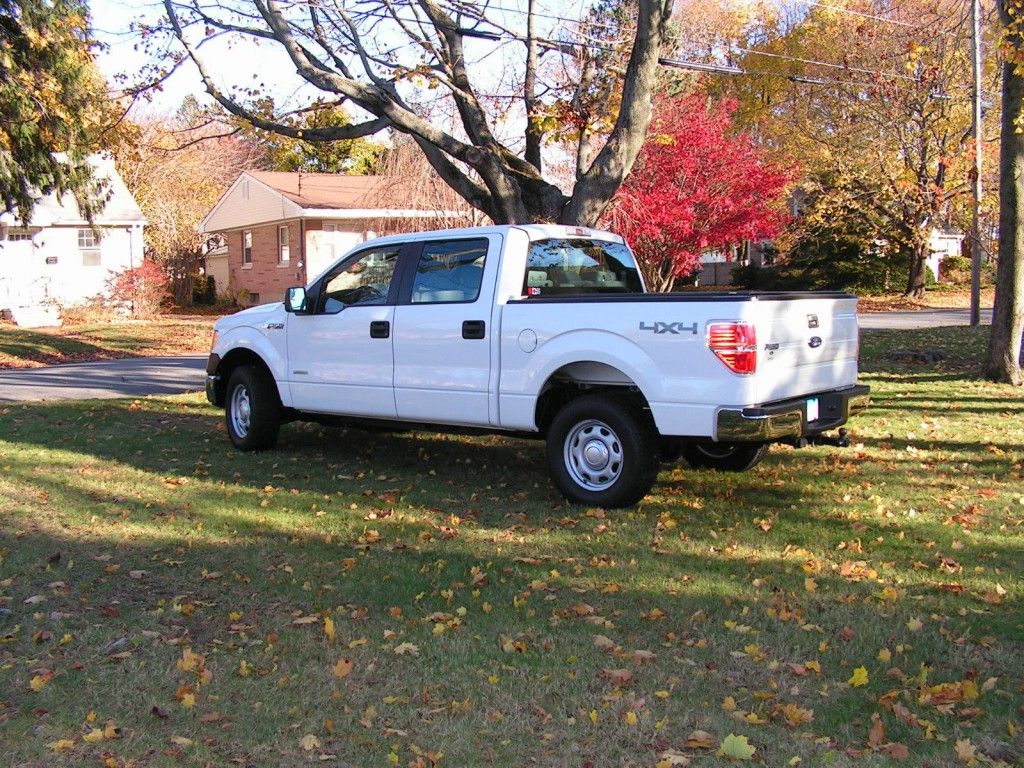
(89, 247)
(247, 247)
(282, 245)
(18, 236)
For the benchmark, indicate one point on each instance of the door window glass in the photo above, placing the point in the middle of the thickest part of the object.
(449, 272)
(364, 279)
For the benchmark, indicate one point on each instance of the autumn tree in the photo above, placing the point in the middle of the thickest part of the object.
(279, 152)
(416, 68)
(177, 167)
(52, 100)
(1003, 357)
(695, 187)
(875, 97)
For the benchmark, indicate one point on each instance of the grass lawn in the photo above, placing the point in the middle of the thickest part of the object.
(169, 335)
(371, 599)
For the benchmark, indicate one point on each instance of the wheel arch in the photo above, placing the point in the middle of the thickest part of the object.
(579, 378)
(233, 360)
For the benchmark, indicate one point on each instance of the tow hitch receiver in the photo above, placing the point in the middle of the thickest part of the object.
(840, 440)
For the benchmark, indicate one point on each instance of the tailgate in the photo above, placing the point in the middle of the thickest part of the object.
(805, 345)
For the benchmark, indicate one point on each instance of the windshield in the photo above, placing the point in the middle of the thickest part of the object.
(573, 266)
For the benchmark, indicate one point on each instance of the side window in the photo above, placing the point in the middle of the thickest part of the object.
(360, 280)
(449, 272)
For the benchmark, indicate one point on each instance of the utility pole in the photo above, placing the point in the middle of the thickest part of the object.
(976, 181)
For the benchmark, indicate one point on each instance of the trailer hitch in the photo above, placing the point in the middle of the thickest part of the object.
(839, 440)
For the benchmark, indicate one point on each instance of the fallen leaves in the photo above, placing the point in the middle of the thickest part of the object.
(735, 747)
(309, 743)
(859, 678)
(342, 668)
(406, 649)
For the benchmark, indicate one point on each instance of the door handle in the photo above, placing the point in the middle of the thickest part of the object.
(474, 329)
(380, 329)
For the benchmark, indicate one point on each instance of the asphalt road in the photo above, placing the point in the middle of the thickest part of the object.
(920, 318)
(109, 378)
(173, 375)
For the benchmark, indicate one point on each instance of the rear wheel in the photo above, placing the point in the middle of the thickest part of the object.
(725, 457)
(252, 410)
(602, 451)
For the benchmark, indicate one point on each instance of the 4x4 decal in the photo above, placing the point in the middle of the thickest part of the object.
(675, 328)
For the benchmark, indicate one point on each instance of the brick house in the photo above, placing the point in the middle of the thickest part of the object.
(284, 229)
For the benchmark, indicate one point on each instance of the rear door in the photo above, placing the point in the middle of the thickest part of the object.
(443, 332)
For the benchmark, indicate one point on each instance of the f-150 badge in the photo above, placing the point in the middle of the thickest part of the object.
(675, 328)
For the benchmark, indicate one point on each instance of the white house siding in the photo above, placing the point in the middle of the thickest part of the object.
(52, 269)
(249, 203)
(324, 246)
(217, 268)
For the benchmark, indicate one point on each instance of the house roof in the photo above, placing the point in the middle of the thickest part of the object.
(332, 190)
(261, 197)
(54, 209)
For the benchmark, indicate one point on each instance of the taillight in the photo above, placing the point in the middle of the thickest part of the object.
(735, 344)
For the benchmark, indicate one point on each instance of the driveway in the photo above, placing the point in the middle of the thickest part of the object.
(919, 318)
(134, 377)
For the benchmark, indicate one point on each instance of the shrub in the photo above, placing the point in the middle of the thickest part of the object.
(143, 289)
(955, 270)
(204, 290)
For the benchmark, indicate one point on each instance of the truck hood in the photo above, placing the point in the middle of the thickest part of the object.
(251, 317)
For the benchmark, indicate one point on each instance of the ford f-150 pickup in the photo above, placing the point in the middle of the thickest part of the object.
(546, 331)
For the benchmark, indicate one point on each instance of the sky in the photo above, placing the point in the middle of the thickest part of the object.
(237, 64)
(244, 63)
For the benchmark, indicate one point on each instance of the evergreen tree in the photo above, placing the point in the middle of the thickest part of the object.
(51, 100)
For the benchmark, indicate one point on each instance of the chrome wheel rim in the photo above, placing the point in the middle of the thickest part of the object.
(241, 410)
(593, 455)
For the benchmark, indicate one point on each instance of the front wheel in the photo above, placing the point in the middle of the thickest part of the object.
(725, 457)
(252, 411)
(602, 451)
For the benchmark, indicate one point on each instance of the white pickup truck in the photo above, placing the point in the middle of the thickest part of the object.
(542, 331)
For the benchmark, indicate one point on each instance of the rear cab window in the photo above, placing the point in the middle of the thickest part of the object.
(579, 266)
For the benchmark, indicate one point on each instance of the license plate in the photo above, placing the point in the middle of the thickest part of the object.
(812, 409)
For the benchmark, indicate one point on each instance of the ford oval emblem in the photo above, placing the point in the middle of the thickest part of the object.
(815, 342)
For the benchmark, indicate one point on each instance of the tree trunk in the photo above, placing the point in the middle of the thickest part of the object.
(918, 277)
(1003, 358)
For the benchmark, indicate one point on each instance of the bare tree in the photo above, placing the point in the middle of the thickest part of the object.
(177, 170)
(386, 56)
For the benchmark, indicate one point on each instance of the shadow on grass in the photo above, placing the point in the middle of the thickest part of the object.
(158, 513)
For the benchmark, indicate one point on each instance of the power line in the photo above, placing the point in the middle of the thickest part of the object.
(826, 64)
(733, 70)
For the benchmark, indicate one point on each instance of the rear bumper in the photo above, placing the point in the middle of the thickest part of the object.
(788, 418)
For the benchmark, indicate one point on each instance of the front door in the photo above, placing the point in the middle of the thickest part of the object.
(340, 356)
(443, 331)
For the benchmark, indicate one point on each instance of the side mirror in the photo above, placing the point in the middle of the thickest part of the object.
(295, 300)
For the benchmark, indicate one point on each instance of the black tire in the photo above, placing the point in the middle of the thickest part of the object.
(252, 409)
(725, 457)
(602, 451)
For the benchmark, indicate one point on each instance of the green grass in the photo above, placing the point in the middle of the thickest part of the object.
(24, 347)
(135, 532)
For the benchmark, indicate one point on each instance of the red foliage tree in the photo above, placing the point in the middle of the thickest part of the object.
(142, 289)
(695, 187)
